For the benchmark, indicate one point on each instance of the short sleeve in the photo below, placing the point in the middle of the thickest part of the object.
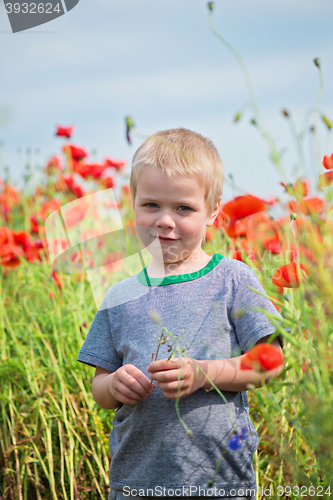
(98, 347)
(251, 325)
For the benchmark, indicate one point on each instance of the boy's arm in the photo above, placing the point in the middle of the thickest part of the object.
(101, 392)
(226, 374)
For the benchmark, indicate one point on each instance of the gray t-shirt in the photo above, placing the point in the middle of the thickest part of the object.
(149, 447)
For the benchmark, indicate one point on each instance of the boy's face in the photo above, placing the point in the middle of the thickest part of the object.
(173, 208)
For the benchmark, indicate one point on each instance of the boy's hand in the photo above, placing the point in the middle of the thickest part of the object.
(129, 385)
(166, 373)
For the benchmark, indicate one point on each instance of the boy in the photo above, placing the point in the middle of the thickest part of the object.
(176, 184)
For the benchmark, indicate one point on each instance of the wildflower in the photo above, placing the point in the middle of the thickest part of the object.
(209, 234)
(328, 162)
(273, 244)
(300, 189)
(307, 206)
(108, 182)
(10, 251)
(56, 279)
(64, 131)
(287, 275)
(75, 152)
(234, 442)
(53, 165)
(326, 179)
(239, 208)
(70, 183)
(262, 357)
(75, 212)
(117, 164)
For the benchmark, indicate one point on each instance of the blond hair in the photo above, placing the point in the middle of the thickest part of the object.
(183, 152)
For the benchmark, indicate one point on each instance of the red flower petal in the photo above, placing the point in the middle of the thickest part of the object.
(262, 357)
(328, 161)
(287, 275)
(64, 131)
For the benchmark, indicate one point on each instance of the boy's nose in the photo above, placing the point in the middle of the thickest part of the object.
(165, 220)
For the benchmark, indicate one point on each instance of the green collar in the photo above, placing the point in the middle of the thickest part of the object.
(179, 278)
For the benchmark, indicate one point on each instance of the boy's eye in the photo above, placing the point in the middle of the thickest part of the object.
(181, 206)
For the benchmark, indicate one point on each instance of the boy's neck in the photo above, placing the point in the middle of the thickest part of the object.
(193, 263)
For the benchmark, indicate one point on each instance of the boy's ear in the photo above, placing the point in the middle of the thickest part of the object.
(212, 217)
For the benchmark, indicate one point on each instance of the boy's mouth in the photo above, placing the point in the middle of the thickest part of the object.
(164, 238)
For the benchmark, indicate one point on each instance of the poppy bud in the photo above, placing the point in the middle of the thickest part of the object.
(210, 5)
(237, 117)
(293, 216)
(287, 297)
(285, 112)
(253, 121)
(327, 122)
(317, 62)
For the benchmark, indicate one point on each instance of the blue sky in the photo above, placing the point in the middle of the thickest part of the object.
(158, 62)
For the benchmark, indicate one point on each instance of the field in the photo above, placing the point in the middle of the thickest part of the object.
(55, 268)
(53, 437)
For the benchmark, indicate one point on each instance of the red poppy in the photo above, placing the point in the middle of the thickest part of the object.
(9, 250)
(240, 255)
(273, 244)
(239, 208)
(108, 182)
(221, 219)
(328, 161)
(87, 170)
(307, 206)
(326, 179)
(262, 357)
(32, 251)
(22, 238)
(38, 218)
(305, 366)
(299, 189)
(75, 152)
(117, 164)
(64, 131)
(72, 185)
(56, 279)
(53, 165)
(287, 275)
(209, 235)
(75, 212)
